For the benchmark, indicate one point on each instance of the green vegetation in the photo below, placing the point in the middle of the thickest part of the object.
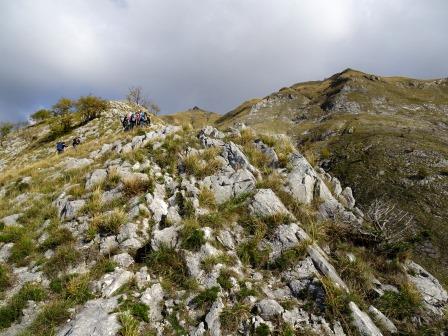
(107, 223)
(205, 299)
(64, 257)
(91, 107)
(5, 278)
(168, 263)
(41, 115)
(12, 311)
(192, 236)
(402, 305)
(129, 324)
(232, 316)
(49, 318)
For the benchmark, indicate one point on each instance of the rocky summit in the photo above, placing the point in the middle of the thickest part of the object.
(170, 230)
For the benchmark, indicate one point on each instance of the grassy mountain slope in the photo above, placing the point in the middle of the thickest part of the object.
(196, 117)
(386, 137)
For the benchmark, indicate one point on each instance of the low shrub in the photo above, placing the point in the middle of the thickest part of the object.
(205, 299)
(231, 317)
(5, 277)
(192, 236)
(290, 257)
(12, 311)
(107, 224)
(137, 186)
(50, 317)
(64, 257)
(224, 278)
(207, 198)
(57, 237)
(78, 290)
(21, 249)
(138, 309)
(129, 324)
(169, 263)
(402, 305)
(250, 254)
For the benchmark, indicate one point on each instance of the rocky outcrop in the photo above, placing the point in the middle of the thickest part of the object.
(96, 319)
(435, 297)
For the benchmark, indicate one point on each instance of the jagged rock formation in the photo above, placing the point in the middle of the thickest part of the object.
(209, 233)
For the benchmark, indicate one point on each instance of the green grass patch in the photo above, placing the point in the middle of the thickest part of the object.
(12, 311)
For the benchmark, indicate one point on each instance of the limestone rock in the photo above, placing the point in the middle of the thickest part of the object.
(97, 176)
(123, 260)
(95, 319)
(166, 237)
(213, 318)
(266, 203)
(435, 297)
(362, 322)
(11, 220)
(153, 298)
(382, 320)
(269, 309)
(111, 282)
(72, 163)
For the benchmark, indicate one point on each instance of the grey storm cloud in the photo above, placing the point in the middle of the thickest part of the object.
(210, 53)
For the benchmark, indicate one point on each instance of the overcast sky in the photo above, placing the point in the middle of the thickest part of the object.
(210, 53)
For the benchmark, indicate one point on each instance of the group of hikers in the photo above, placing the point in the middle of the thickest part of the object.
(132, 119)
(129, 121)
(60, 146)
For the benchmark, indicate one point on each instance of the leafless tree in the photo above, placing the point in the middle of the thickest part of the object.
(136, 96)
(386, 224)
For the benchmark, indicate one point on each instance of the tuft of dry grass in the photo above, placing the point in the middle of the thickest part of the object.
(136, 186)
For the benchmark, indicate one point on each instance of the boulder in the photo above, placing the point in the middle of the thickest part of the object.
(213, 318)
(142, 278)
(269, 152)
(167, 237)
(301, 179)
(111, 282)
(269, 309)
(71, 209)
(97, 176)
(266, 203)
(230, 184)
(97, 318)
(435, 297)
(157, 206)
(11, 220)
(153, 298)
(75, 163)
(283, 238)
(382, 320)
(362, 322)
(128, 237)
(123, 260)
(236, 158)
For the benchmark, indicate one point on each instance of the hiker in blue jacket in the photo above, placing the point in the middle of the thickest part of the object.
(60, 146)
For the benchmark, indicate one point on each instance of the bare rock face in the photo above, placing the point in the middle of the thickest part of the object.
(225, 185)
(97, 176)
(301, 179)
(266, 203)
(362, 322)
(95, 319)
(212, 318)
(153, 298)
(269, 309)
(72, 163)
(382, 320)
(434, 295)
